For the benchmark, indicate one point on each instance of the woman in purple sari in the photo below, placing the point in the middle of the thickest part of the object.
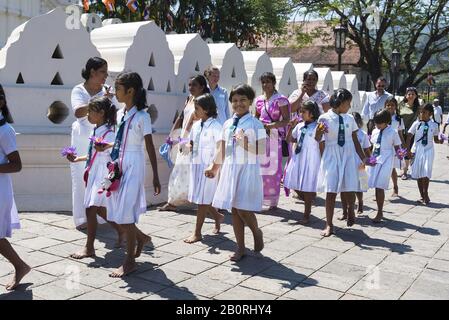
(273, 110)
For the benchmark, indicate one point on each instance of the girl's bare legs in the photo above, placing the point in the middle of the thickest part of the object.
(142, 239)
(425, 186)
(308, 200)
(21, 268)
(129, 265)
(360, 201)
(120, 232)
(421, 189)
(249, 218)
(350, 201)
(239, 231)
(394, 178)
(407, 163)
(218, 217)
(344, 205)
(89, 249)
(200, 217)
(380, 198)
(330, 205)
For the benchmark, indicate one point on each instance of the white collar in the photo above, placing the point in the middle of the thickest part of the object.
(130, 113)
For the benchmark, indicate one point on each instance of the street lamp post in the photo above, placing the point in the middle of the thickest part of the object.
(340, 42)
(395, 62)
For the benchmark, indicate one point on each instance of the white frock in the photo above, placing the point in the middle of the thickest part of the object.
(128, 203)
(423, 161)
(81, 131)
(302, 170)
(398, 126)
(363, 138)
(379, 175)
(338, 169)
(98, 170)
(9, 218)
(240, 185)
(201, 188)
(178, 187)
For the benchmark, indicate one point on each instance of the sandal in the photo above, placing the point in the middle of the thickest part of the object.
(404, 177)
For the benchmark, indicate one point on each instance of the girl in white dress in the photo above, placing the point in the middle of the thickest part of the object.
(337, 133)
(95, 74)
(9, 219)
(397, 123)
(303, 167)
(205, 138)
(134, 133)
(178, 188)
(240, 187)
(423, 131)
(385, 142)
(363, 139)
(102, 113)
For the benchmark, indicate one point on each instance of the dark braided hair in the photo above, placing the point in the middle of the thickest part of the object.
(104, 103)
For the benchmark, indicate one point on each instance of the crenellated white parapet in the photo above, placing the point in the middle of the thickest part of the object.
(352, 84)
(229, 59)
(325, 81)
(140, 47)
(191, 56)
(362, 95)
(339, 79)
(256, 63)
(300, 69)
(40, 64)
(285, 74)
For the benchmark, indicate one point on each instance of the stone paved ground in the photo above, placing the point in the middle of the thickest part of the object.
(406, 257)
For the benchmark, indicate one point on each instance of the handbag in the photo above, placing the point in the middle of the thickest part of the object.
(284, 144)
(86, 171)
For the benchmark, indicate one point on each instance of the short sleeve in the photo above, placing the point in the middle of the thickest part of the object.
(396, 140)
(260, 130)
(8, 141)
(436, 132)
(145, 123)
(365, 142)
(413, 128)
(352, 124)
(295, 132)
(282, 102)
(78, 98)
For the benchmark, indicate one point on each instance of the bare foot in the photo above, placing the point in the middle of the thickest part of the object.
(194, 238)
(127, 268)
(218, 222)
(378, 218)
(141, 242)
(420, 201)
(258, 241)
(359, 212)
(18, 276)
(237, 256)
(327, 232)
(167, 207)
(85, 253)
(342, 218)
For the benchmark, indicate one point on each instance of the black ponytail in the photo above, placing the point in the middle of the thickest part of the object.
(5, 111)
(133, 80)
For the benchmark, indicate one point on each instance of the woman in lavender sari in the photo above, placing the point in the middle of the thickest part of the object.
(273, 110)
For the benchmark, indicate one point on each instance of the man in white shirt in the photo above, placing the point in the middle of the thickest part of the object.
(220, 94)
(375, 101)
(437, 112)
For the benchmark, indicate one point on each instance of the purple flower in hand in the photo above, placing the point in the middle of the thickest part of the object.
(98, 141)
(372, 160)
(323, 125)
(443, 137)
(68, 151)
(401, 153)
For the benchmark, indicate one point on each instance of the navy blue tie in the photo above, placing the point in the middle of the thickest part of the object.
(376, 151)
(118, 140)
(424, 136)
(89, 154)
(341, 131)
(301, 139)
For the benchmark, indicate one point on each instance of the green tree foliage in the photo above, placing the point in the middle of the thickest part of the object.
(419, 29)
(244, 22)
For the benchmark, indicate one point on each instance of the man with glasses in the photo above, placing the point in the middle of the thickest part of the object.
(375, 101)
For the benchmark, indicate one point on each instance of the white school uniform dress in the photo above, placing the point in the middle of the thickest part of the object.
(302, 169)
(126, 204)
(338, 169)
(98, 171)
(363, 139)
(205, 139)
(240, 185)
(424, 154)
(81, 131)
(379, 175)
(398, 126)
(9, 218)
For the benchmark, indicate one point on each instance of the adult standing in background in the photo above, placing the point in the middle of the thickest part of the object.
(437, 112)
(375, 101)
(95, 74)
(309, 91)
(220, 94)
